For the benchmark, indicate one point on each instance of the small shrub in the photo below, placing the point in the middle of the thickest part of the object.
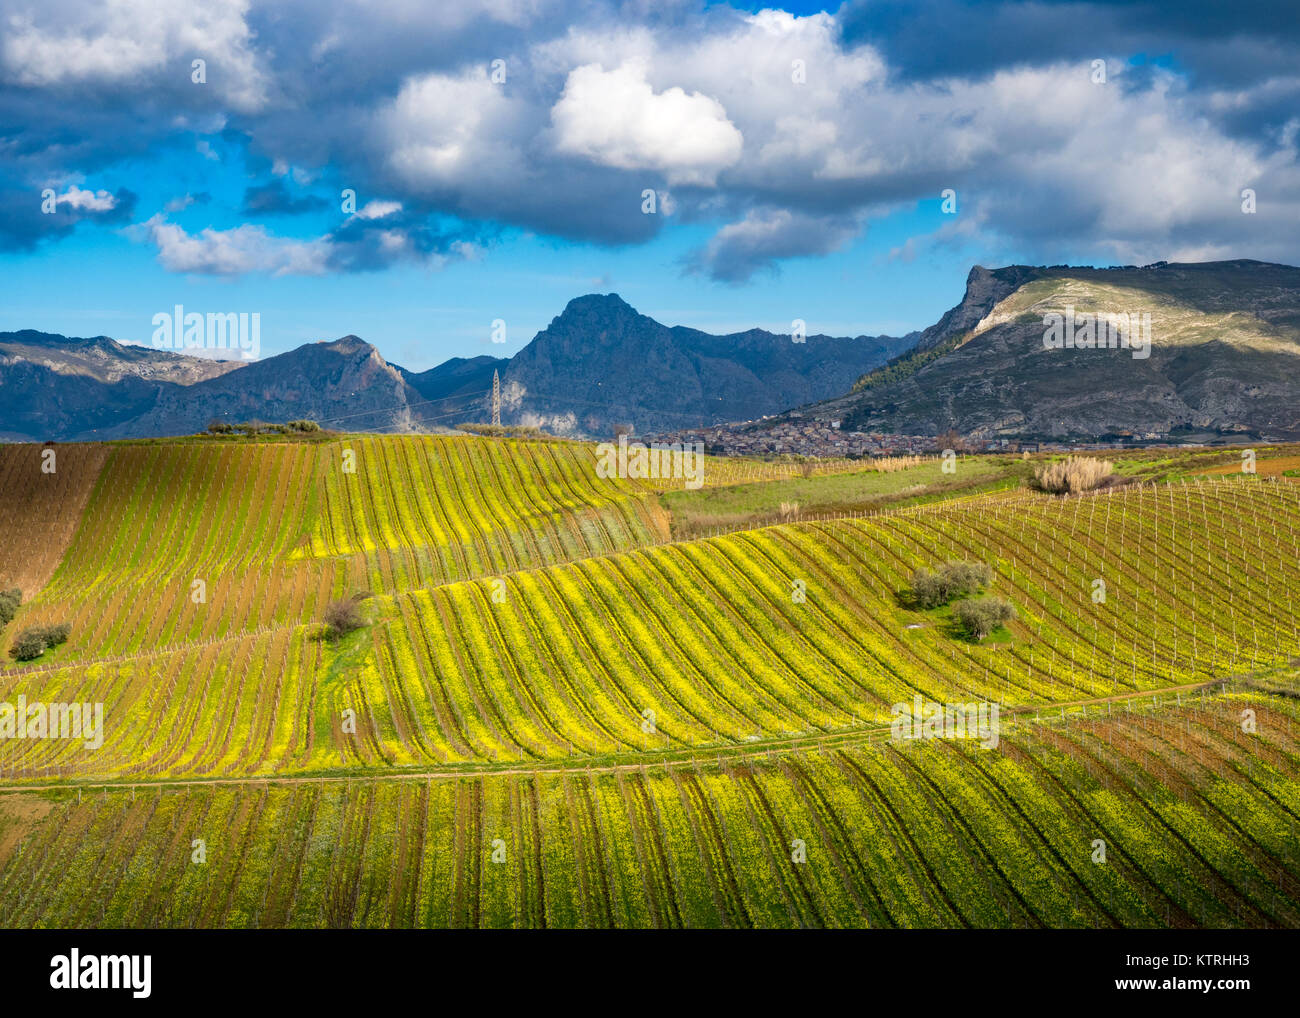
(216, 426)
(966, 577)
(927, 589)
(9, 602)
(1072, 475)
(979, 616)
(303, 426)
(34, 641)
(57, 633)
(28, 645)
(954, 579)
(342, 617)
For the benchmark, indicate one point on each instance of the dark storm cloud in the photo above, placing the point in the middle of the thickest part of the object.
(273, 198)
(1221, 43)
(24, 225)
(765, 238)
(360, 244)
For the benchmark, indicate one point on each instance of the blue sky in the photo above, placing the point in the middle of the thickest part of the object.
(479, 200)
(420, 316)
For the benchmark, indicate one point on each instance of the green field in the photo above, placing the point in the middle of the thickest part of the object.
(562, 713)
(865, 489)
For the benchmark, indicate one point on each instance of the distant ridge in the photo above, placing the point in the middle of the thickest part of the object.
(1224, 359)
(598, 365)
(1224, 363)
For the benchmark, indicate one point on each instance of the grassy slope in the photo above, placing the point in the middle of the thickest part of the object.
(1164, 464)
(554, 679)
(1177, 315)
(740, 506)
(275, 530)
(710, 636)
(922, 834)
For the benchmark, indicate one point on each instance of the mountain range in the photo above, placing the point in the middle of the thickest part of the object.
(1224, 349)
(599, 364)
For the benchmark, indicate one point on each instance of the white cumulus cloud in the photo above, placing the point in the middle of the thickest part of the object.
(86, 201)
(64, 42)
(234, 252)
(616, 119)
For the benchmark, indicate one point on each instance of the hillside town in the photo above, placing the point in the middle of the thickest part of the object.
(793, 437)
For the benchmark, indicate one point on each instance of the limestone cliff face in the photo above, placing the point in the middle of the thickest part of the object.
(1224, 358)
(985, 288)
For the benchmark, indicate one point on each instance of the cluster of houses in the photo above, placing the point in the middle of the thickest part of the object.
(822, 438)
(802, 438)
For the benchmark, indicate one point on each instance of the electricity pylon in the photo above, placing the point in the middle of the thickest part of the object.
(496, 400)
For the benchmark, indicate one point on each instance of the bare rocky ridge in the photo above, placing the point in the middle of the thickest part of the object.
(53, 386)
(345, 384)
(106, 360)
(601, 364)
(1224, 361)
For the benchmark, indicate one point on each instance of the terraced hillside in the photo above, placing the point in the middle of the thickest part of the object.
(640, 729)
